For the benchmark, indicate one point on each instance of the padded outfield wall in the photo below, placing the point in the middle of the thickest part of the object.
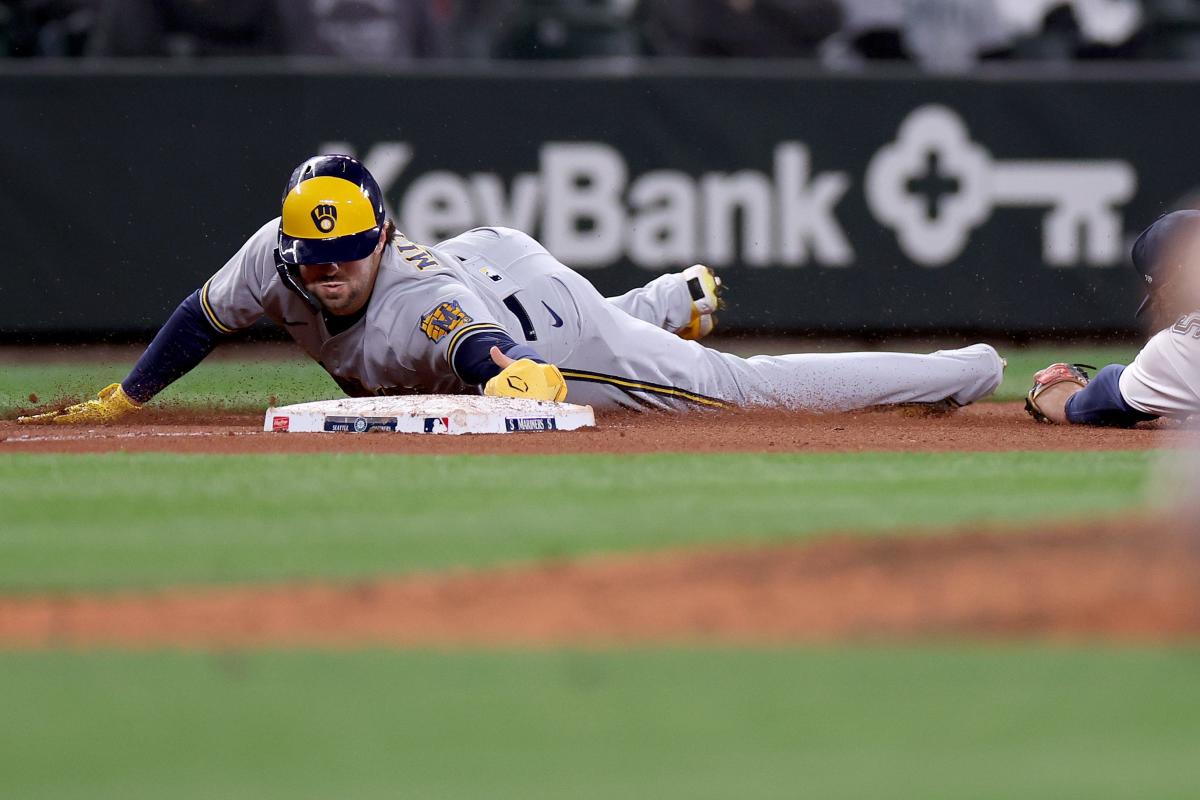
(870, 204)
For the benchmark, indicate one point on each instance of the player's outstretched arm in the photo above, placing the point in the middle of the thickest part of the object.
(110, 404)
(181, 344)
(1065, 394)
(525, 378)
(491, 360)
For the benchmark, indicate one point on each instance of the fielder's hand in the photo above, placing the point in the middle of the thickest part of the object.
(525, 378)
(1052, 387)
(110, 404)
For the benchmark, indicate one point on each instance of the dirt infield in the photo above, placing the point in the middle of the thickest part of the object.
(1126, 580)
(986, 426)
(1121, 580)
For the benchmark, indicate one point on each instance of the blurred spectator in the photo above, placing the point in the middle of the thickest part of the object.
(186, 28)
(552, 28)
(365, 30)
(10, 29)
(954, 35)
(739, 28)
(45, 27)
(1172, 30)
(940, 35)
(1065, 29)
(478, 25)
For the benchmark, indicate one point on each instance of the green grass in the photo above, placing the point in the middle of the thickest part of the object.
(235, 385)
(1022, 363)
(921, 722)
(248, 384)
(124, 519)
(870, 723)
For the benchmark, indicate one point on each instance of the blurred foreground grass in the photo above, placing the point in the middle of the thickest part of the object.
(158, 519)
(919, 723)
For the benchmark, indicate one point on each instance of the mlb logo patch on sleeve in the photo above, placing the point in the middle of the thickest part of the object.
(443, 319)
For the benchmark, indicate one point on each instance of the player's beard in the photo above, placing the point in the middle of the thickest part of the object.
(348, 290)
(346, 298)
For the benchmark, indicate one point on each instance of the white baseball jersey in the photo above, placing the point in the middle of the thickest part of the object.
(617, 352)
(1164, 379)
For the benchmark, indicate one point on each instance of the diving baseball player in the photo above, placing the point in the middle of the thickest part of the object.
(492, 311)
(1164, 378)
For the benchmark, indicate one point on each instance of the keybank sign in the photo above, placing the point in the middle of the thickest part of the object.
(932, 186)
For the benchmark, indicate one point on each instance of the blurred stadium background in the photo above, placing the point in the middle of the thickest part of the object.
(855, 167)
(904, 171)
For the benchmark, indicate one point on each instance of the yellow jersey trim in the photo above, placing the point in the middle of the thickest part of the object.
(208, 312)
(459, 335)
(628, 384)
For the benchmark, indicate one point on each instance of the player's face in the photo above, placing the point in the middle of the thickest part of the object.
(343, 287)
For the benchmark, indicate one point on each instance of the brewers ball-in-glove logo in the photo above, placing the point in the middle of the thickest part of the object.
(443, 319)
(324, 217)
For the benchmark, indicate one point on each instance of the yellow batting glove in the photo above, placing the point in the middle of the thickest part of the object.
(528, 379)
(111, 403)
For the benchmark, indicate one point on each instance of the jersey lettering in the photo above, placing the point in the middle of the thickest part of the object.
(416, 255)
(445, 318)
(1188, 325)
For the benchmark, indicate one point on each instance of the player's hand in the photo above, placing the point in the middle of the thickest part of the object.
(1052, 387)
(525, 378)
(110, 404)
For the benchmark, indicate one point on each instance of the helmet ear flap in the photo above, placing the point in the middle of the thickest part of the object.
(289, 274)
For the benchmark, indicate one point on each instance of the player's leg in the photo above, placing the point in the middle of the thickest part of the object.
(576, 325)
(663, 302)
(653, 368)
(611, 358)
(680, 302)
(847, 381)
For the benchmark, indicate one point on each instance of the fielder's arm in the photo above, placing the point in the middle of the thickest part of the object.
(1063, 393)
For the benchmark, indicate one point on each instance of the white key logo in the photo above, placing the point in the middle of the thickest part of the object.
(933, 185)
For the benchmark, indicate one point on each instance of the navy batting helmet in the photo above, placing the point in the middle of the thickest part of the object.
(332, 211)
(1165, 250)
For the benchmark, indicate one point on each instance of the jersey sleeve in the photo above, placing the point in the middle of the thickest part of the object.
(473, 359)
(182, 343)
(1162, 380)
(441, 341)
(1101, 402)
(232, 298)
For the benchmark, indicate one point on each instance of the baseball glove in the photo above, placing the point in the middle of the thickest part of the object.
(1052, 376)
